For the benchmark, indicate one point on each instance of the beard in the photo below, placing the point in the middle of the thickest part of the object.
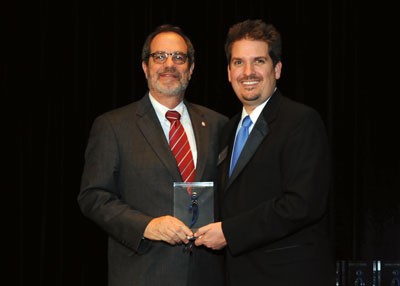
(251, 97)
(175, 87)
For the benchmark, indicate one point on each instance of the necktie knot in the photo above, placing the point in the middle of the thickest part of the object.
(247, 122)
(172, 116)
(241, 139)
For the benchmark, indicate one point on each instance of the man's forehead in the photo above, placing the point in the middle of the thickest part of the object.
(168, 42)
(249, 48)
(250, 44)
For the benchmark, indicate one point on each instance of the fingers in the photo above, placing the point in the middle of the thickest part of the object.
(201, 235)
(168, 229)
(200, 240)
(201, 231)
(211, 236)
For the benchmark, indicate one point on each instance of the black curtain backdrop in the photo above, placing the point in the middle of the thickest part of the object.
(66, 62)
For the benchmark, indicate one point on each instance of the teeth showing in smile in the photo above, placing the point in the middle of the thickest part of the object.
(249, 82)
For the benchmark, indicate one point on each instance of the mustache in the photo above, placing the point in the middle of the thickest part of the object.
(250, 77)
(171, 70)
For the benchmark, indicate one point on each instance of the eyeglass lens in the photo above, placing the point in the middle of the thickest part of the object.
(177, 57)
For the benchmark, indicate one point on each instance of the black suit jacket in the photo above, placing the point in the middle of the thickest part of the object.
(274, 206)
(128, 180)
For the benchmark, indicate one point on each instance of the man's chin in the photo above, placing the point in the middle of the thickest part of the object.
(170, 91)
(250, 98)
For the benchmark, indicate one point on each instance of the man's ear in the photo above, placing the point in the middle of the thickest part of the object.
(278, 70)
(191, 70)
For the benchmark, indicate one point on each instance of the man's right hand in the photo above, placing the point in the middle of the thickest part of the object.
(168, 229)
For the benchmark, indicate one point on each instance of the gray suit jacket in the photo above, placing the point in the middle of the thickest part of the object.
(128, 180)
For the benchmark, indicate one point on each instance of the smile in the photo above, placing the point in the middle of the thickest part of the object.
(168, 75)
(250, 82)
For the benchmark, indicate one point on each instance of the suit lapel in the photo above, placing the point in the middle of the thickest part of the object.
(259, 132)
(151, 129)
(202, 136)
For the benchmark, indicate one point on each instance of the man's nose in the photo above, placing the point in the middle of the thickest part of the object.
(169, 62)
(248, 69)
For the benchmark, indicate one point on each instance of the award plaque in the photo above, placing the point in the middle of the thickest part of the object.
(194, 203)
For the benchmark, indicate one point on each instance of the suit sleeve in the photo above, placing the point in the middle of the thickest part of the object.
(305, 179)
(99, 198)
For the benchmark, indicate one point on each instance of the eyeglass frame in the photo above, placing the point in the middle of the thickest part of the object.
(185, 56)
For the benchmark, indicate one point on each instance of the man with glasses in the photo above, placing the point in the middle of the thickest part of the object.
(135, 154)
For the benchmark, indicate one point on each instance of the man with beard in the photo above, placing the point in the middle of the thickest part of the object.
(131, 162)
(274, 174)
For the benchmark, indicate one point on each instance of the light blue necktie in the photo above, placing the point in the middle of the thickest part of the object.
(241, 139)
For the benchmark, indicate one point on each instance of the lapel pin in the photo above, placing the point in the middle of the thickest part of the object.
(203, 124)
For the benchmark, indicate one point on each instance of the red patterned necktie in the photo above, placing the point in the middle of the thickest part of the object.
(180, 147)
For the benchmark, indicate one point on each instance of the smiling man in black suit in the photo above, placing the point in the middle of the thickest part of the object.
(274, 174)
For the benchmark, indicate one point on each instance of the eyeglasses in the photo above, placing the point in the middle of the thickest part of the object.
(178, 58)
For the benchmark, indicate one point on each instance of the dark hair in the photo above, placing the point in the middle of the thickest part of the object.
(255, 30)
(165, 29)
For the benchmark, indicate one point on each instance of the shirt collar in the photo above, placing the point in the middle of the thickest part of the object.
(161, 109)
